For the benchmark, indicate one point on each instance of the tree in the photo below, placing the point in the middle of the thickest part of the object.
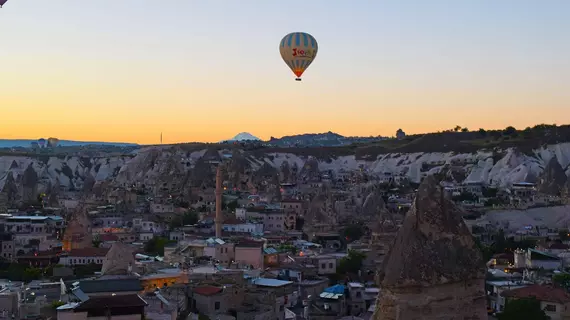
(562, 280)
(352, 263)
(457, 128)
(230, 206)
(464, 130)
(156, 246)
(510, 131)
(527, 133)
(523, 309)
(84, 270)
(496, 134)
(188, 218)
(353, 232)
(32, 274)
(482, 132)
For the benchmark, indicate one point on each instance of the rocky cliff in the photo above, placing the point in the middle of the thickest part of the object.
(434, 269)
(175, 166)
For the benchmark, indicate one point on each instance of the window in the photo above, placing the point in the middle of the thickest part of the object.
(330, 265)
(323, 265)
(217, 305)
(550, 308)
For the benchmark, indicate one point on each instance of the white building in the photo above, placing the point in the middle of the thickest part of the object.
(84, 256)
(242, 226)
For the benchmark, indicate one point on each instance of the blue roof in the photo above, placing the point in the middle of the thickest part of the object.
(336, 289)
(266, 282)
(269, 251)
(29, 217)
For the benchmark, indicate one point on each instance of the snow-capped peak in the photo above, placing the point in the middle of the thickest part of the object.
(244, 136)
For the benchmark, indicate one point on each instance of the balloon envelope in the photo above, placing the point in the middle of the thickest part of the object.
(2, 2)
(298, 50)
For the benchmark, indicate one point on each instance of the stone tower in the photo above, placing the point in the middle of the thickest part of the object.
(219, 219)
(434, 270)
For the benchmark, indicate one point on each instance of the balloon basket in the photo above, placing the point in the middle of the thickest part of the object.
(297, 79)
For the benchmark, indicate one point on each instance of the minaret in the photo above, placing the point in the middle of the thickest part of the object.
(219, 220)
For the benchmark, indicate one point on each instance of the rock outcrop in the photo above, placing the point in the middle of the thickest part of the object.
(373, 204)
(119, 260)
(183, 168)
(553, 178)
(434, 270)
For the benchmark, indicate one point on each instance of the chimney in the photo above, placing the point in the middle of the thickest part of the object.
(218, 220)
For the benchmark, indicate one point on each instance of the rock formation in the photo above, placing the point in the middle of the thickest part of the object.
(88, 183)
(119, 260)
(434, 270)
(29, 184)
(553, 178)
(53, 196)
(373, 204)
(77, 233)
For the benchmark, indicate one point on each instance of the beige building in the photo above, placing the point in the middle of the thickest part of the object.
(250, 254)
(220, 250)
(213, 300)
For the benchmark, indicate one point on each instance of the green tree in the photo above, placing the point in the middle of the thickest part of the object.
(232, 206)
(188, 218)
(457, 128)
(527, 133)
(96, 241)
(352, 263)
(57, 304)
(482, 132)
(523, 309)
(464, 130)
(353, 232)
(562, 280)
(155, 246)
(85, 270)
(510, 131)
(32, 274)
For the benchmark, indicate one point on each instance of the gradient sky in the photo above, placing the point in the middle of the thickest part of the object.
(110, 70)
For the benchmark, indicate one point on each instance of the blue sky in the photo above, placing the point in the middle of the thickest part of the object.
(419, 65)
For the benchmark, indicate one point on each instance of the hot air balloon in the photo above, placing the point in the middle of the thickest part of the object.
(298, 50)
(52, 142)
(2, 2)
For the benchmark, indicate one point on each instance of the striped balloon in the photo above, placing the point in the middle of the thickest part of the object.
(298, 50)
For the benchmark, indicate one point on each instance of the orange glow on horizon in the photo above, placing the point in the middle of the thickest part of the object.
(127, 71)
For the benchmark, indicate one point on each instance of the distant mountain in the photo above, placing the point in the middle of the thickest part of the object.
(244, 136)
(25, 143)
(327, 139)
